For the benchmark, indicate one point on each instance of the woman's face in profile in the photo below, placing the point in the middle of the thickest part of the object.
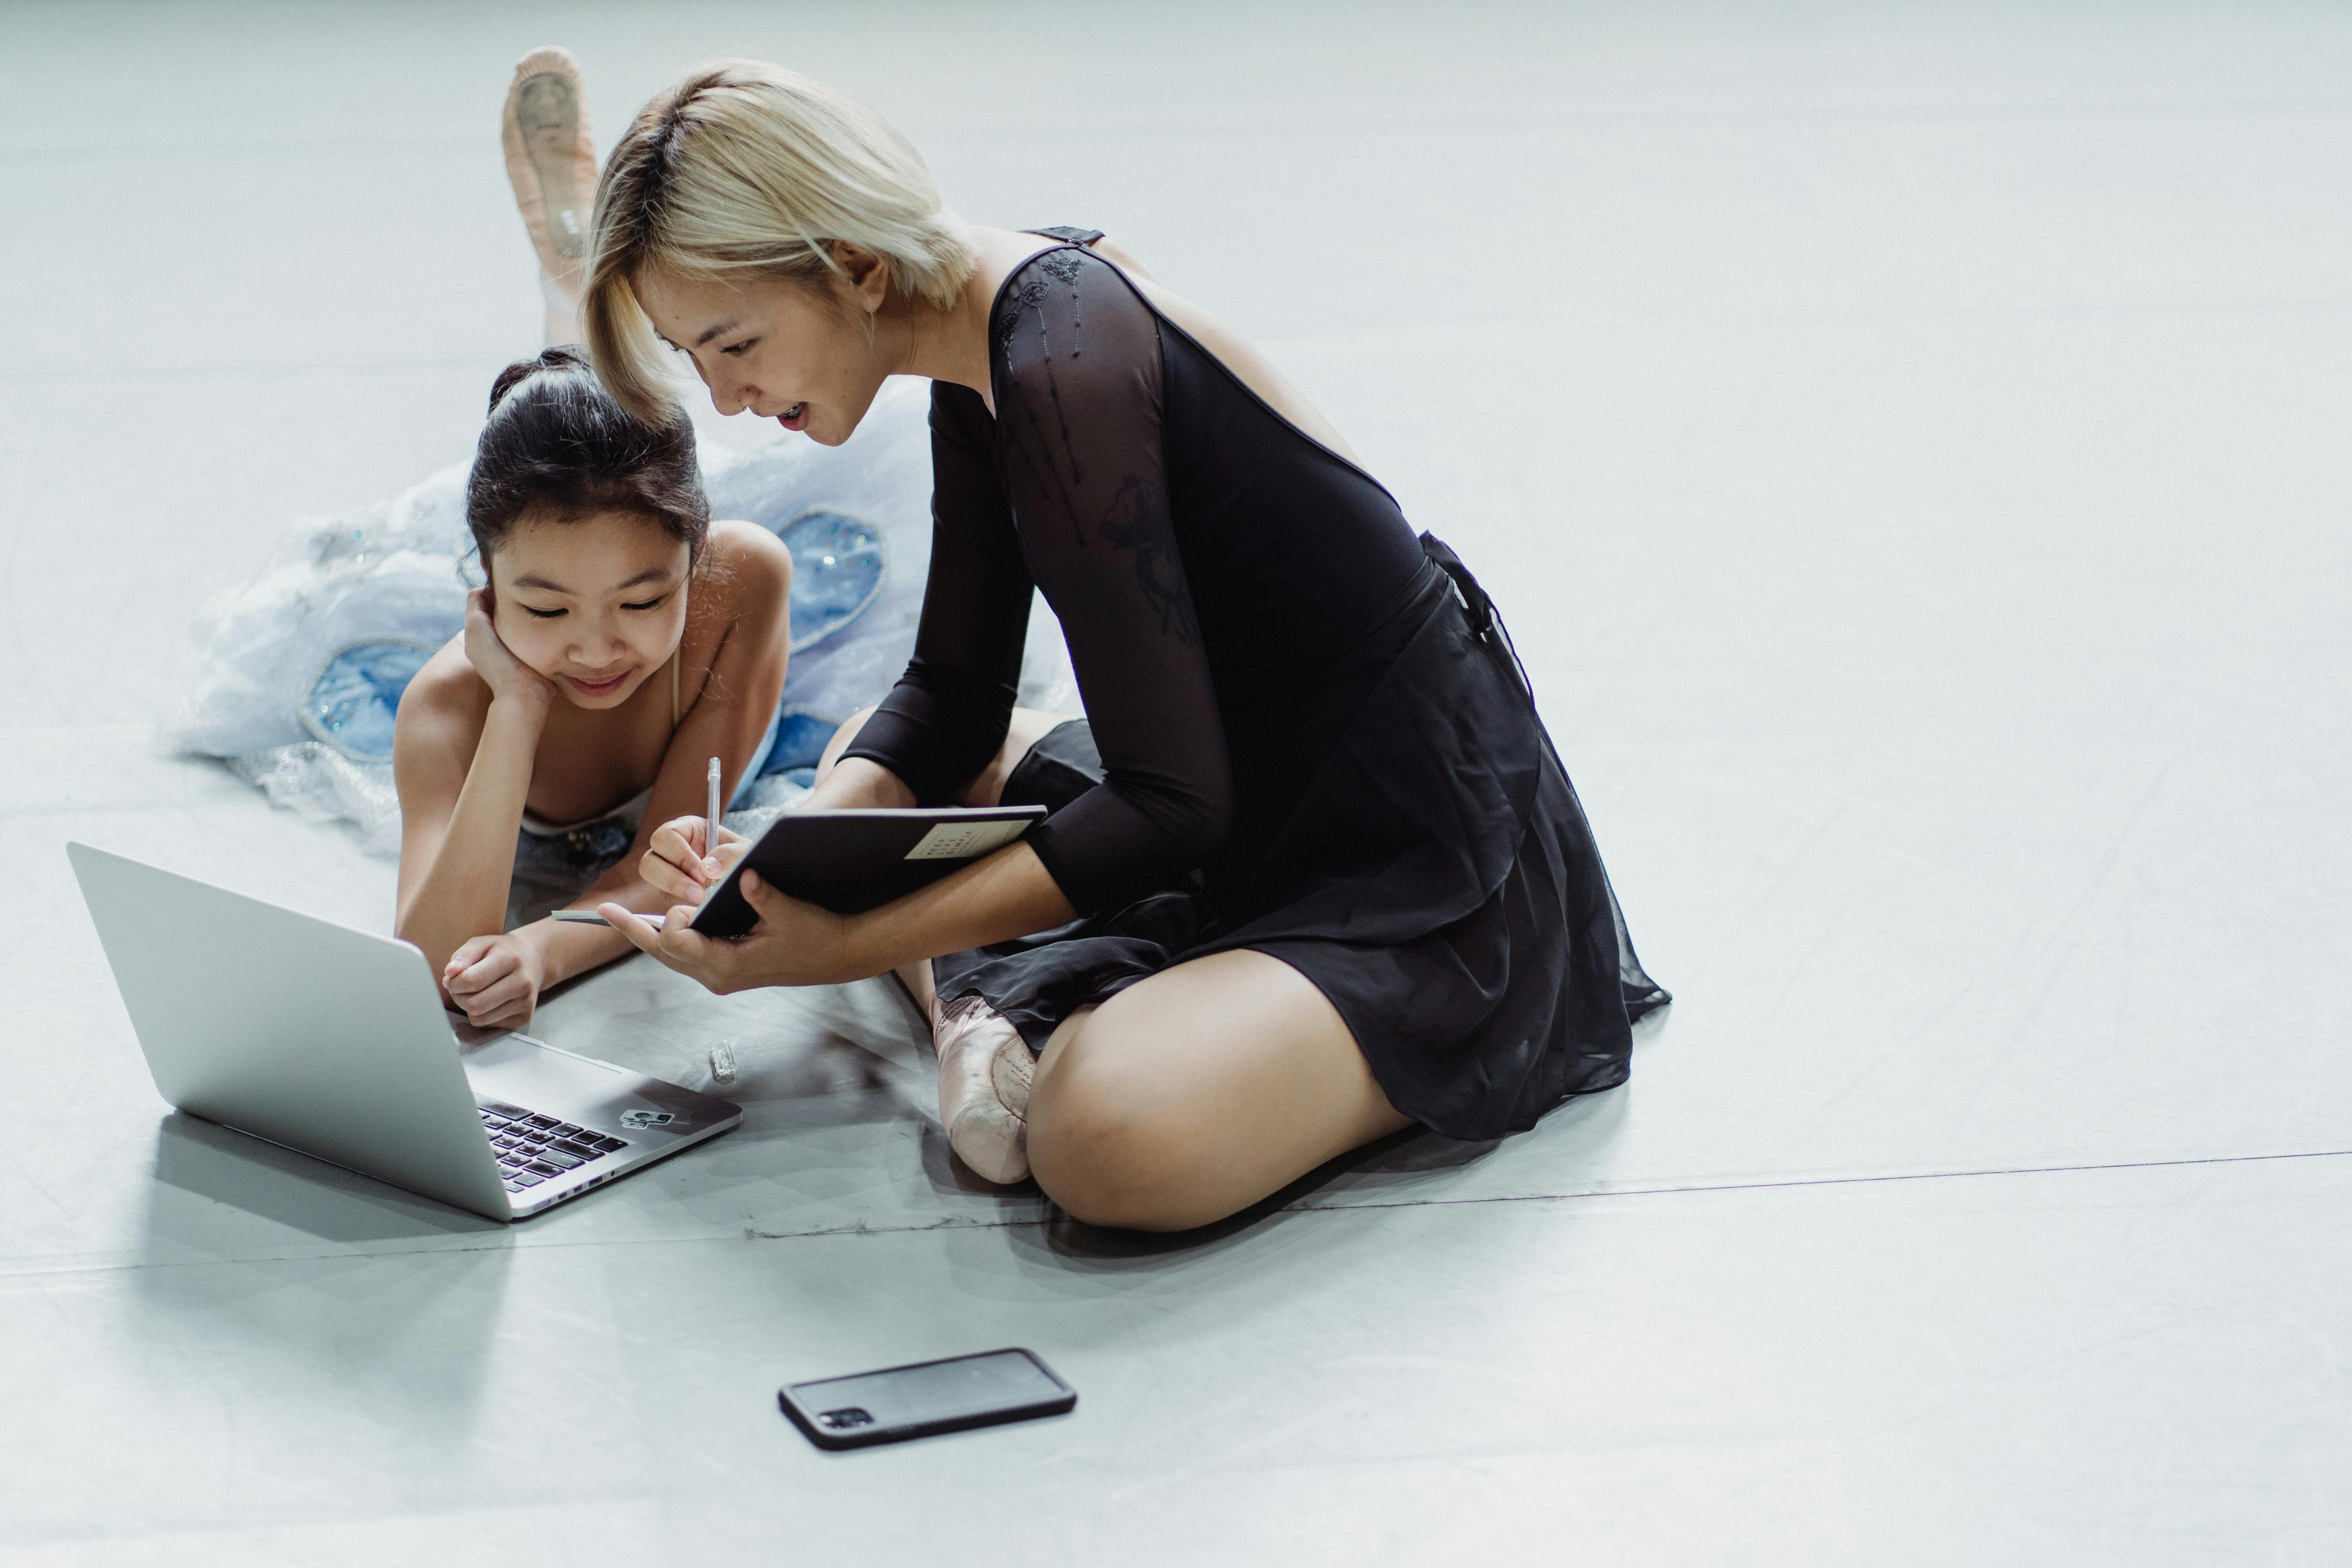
(809, 361)
(595, 603)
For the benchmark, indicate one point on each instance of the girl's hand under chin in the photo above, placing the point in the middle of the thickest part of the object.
(508, 678)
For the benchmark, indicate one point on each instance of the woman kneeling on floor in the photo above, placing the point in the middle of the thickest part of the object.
(1312, 871)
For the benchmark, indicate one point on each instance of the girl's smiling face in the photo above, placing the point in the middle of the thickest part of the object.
(595, 604)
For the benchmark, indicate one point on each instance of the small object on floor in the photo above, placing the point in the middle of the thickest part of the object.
(985, 1068)
(902, 1401)
(722, 1063)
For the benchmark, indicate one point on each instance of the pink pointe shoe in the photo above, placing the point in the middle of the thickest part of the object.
(984, 1071)
(551, 164)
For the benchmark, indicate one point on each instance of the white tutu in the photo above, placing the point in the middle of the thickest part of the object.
(304, 666)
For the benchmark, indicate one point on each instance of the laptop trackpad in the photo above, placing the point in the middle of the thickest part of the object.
(521, 1071)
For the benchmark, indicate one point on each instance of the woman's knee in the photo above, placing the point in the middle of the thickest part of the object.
(1108, 1156)
(842, 739)
(1112, 1174)
(1026, 727)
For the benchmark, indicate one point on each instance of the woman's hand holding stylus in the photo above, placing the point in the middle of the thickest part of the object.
(794, 943)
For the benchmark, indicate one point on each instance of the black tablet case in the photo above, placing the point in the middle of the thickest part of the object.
(847, 861)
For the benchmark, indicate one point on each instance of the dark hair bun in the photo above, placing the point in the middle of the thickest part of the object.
(564, 356)
(558, 445)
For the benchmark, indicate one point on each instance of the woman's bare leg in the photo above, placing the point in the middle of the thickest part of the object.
(840, 741)
(1194, 1094)
(1185, 1099)
(1029, 726)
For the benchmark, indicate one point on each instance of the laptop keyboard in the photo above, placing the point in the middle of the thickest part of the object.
(531, 1147)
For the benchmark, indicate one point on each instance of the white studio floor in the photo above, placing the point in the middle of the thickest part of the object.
(1909, 445)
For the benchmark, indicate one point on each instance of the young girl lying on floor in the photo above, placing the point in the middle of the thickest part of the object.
(621, 641)
(307, 666)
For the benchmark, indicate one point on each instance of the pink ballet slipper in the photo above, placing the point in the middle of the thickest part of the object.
(551, 164)
(984, 1071)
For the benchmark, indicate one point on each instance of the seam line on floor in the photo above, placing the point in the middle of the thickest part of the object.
(952, 1222)
(1766, 1184)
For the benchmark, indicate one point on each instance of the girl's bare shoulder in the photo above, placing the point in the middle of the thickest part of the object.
(749, 570)
(445, 702)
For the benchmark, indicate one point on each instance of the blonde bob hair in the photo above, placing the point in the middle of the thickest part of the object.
(748, 170)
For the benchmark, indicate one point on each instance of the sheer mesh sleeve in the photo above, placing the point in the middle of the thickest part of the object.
(946, 716)
(1079, 405)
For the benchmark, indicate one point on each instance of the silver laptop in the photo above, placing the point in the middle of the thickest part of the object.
(333, 1042)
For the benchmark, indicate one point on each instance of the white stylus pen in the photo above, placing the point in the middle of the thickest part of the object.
(591, 918)
(711, 838)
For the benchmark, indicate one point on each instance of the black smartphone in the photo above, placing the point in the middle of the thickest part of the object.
(928, 1398)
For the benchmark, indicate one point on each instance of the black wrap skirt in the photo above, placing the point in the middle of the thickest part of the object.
(1436, 878)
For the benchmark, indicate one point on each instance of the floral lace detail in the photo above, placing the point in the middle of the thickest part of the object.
(1062, 267)
(1129, 525)
(1008, 315)
(1028, 298)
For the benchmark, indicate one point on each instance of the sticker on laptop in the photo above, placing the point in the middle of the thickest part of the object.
(640, 1120)
(963, 840)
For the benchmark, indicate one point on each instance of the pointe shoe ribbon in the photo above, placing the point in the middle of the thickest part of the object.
(985, 1068)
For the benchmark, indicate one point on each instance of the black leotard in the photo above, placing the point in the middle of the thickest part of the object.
(1110, 426)
(1235, 597)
